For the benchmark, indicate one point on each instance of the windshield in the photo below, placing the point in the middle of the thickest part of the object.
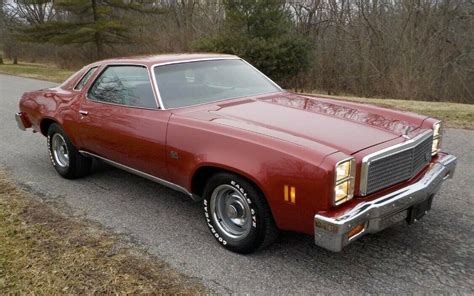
(192, 83)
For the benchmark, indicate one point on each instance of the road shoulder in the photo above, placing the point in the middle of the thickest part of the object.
(45, 251)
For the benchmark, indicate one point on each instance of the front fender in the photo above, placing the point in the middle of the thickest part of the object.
(270, 163)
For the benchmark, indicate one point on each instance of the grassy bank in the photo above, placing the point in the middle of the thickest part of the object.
(36, 71)
(454, 115)
(43, 252)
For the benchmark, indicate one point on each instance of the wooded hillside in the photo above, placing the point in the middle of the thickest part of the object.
(407, 49)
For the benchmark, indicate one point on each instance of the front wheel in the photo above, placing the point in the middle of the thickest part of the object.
(237, 214)
(67, 161)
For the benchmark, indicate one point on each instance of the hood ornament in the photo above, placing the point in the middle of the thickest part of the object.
(405, 133)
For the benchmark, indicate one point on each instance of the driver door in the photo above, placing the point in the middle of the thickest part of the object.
(120, 120)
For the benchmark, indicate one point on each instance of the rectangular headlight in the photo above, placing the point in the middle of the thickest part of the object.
(436, 147)
(344, 180)
(342, 191)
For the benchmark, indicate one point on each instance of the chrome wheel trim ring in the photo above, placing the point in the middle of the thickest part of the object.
(231, 211)
(60, 151)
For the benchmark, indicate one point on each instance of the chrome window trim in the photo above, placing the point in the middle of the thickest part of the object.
(268, 78)
(105, 66)
(202, 60)
(142, 174)
(121, 105)
(82, 76)
(409, 144)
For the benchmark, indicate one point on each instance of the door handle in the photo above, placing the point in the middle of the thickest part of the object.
(84, 113)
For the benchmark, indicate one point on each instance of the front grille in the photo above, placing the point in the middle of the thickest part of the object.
(391, 166)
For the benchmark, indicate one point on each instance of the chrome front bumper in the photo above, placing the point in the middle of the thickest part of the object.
(334, 233)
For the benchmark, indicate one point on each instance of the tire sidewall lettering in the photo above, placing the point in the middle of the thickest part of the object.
(50, 151)
(210, 221)
(48, 139)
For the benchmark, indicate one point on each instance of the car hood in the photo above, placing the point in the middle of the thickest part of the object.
(344, 126)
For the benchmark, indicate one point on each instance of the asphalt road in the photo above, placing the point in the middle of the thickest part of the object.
(434, 255)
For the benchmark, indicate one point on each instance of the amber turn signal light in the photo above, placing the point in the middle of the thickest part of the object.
(355, 231)
(291, 197)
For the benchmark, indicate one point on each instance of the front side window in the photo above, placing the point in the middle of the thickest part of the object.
(85, 78)
(124, 85)
(191, 83)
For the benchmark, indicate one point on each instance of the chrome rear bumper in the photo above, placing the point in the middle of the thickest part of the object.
(19, 121)
(332, 233)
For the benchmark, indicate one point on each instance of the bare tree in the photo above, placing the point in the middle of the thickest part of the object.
(411, 49)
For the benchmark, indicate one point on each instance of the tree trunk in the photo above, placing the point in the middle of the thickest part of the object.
(98, 40)
(99, 45)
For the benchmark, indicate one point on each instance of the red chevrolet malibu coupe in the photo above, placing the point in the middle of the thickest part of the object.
(260, 159)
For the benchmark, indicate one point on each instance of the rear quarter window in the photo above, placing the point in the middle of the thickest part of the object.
(85, 78)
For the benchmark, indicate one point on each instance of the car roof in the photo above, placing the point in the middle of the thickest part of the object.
(166, 58)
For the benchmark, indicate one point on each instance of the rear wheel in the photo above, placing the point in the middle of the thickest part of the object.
(237, 214)
(67, 161)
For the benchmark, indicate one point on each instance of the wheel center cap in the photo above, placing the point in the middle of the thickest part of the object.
(232, 212)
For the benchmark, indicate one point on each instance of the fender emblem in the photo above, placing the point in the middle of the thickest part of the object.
(174, 155)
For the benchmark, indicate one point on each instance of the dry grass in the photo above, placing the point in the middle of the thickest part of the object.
(454, 115)
(43, 252)
(36, 71)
